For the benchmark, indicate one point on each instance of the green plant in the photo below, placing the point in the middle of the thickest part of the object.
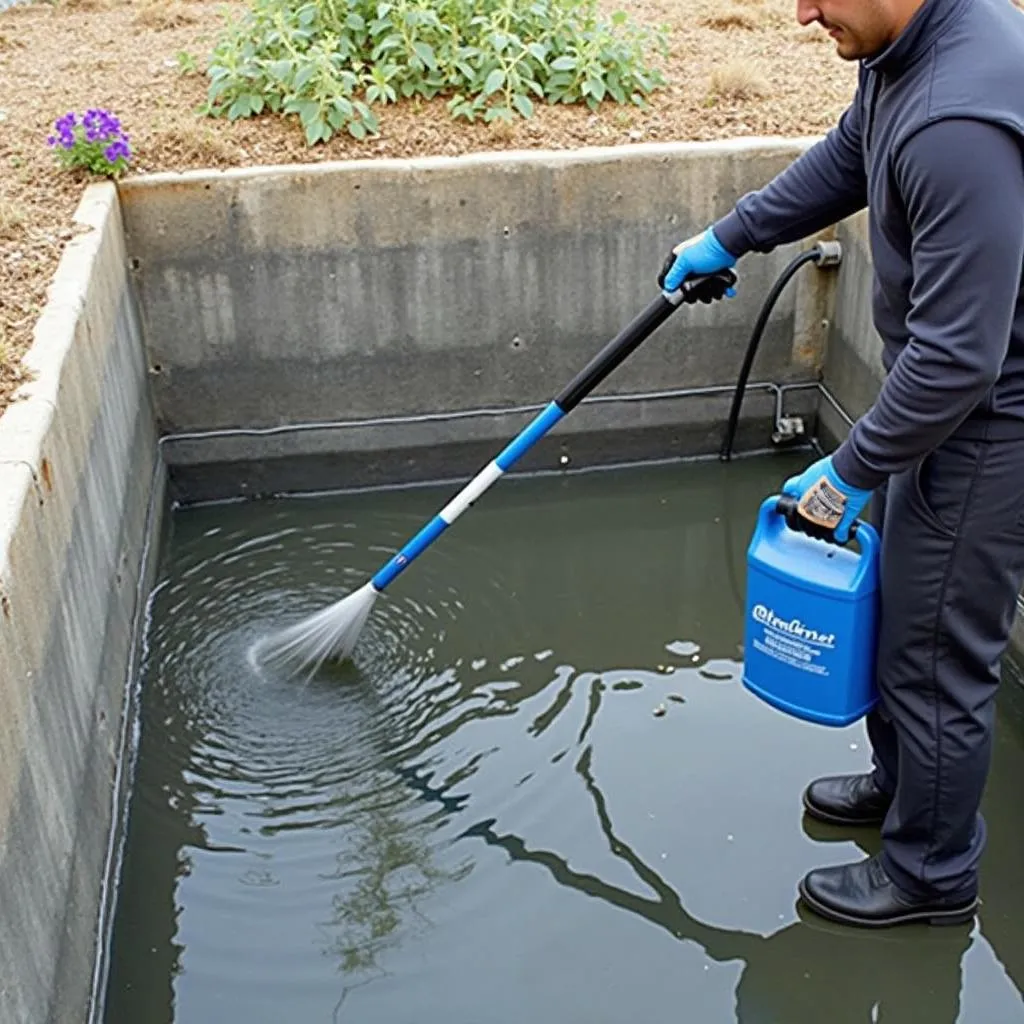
(187, 63)
(331, 61)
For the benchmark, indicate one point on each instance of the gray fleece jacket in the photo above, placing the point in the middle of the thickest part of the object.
(933, 145)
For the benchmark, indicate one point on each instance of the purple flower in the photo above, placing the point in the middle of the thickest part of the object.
(65, 129)
(116, 150)
(66, 123)
(99, 132)
(96, 124)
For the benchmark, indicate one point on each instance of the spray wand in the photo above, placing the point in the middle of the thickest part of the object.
(334, 631)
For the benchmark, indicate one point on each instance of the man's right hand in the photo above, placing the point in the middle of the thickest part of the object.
(702, 254)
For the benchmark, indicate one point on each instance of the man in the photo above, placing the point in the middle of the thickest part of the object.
(933, 146)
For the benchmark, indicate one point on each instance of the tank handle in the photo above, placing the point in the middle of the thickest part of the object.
(787, 506)
(868, 540)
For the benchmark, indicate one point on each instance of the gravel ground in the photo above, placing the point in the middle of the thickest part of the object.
(734, 69)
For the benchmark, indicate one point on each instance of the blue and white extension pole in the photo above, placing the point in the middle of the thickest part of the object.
(469, 494)
(334, 631)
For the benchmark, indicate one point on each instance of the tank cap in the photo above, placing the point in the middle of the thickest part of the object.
(788, 507)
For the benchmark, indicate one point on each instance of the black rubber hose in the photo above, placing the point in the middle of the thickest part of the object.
(815, 254)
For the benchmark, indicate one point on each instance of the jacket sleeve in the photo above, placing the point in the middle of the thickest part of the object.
(823, 185)
(962, 183)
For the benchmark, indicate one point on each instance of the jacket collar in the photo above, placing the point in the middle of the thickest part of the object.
(930, 20)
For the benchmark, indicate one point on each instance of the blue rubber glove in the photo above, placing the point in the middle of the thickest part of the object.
(702, 254)
(825, 498)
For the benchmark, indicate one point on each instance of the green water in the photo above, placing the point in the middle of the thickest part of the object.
(483, 821)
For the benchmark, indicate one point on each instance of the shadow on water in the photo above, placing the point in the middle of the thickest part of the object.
(795, 974)
(379, 844)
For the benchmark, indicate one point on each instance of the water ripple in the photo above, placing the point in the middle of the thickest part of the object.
(328, 812)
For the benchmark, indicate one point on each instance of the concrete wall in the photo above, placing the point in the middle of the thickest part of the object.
(852, 371)
(76, 482)
(421, 305)
(428, 306)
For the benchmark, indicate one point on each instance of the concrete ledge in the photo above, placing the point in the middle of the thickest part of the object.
(71, 521)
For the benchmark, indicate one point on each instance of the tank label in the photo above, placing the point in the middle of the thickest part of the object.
(791, 641)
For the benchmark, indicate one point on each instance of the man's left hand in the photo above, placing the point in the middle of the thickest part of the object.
(826, 499)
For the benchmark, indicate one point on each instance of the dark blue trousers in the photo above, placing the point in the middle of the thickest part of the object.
(952, 564)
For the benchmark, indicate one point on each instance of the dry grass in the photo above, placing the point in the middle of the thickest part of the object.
(746, 18)
(12, 218)
(738, 81)
(813, 34)
(61, 55)
(84, 5)
(12, 374)
(194, 145)
(161, 15)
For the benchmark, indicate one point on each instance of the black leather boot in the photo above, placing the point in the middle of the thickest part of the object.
(863, 894)
(847, 800)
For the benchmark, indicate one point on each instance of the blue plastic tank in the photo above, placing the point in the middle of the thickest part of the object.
(810, 633)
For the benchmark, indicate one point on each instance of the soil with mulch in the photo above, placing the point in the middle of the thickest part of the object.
(734, 69)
